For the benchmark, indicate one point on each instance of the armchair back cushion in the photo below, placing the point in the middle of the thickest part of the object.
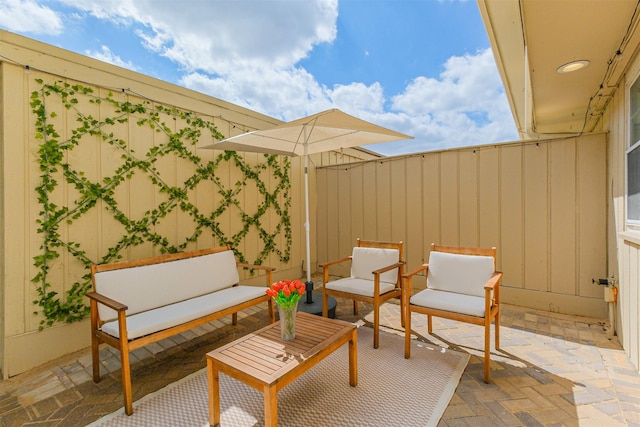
(364, 260)
(204, 274)
(462, 274)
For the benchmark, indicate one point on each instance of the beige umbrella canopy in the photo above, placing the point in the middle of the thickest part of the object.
(324, 131)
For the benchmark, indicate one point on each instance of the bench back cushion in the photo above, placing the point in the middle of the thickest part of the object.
(364, 260)
(463, 274)
(155, 285)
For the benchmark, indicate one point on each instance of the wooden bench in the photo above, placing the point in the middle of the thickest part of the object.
(136, 303)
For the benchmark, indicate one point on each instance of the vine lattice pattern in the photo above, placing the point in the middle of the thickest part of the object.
(176, 133)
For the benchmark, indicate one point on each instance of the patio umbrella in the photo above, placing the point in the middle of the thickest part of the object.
(324, 131)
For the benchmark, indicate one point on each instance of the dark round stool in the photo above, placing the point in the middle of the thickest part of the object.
(314, 305)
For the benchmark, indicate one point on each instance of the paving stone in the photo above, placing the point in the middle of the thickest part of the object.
(528, 419)
(15, 418)
(552, 369)
(501, 413)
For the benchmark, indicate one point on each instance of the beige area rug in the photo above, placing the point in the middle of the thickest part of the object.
(391, 391)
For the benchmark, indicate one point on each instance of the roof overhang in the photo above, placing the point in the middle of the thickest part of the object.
(531, 39)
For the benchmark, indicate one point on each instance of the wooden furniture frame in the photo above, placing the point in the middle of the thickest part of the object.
(265, 362)
(126, 345)
(377, 299)
(491, 304)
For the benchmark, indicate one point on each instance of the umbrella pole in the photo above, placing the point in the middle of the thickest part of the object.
(309, 283)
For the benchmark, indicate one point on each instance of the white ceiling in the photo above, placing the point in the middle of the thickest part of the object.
(532, 38)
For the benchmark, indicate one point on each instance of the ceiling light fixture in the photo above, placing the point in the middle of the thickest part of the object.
(572, 66)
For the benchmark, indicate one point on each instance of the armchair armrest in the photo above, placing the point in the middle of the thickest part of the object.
(407, 288)
(494, 281)
(492, 288)
(378, 272)
(111, 303)
(336, 261)
(326, 265)
(410, 274)
(389, 267)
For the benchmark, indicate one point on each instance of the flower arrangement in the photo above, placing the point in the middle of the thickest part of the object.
(286, 293)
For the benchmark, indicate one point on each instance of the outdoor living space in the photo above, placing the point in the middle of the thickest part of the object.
(102, 165)
(552, 370)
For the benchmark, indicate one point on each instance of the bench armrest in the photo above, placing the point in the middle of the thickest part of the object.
(265, 268)
(113, 304)
(255, 266)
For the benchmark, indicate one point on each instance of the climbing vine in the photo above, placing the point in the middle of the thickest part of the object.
(53, 158)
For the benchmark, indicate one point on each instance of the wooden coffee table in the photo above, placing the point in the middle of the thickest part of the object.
(268, 364)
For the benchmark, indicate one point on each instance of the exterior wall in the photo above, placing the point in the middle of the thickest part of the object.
(555, 210)
(624, 243)
(23, 344)
(542, 204)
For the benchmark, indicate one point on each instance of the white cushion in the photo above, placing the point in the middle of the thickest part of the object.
(175, 314)
(358, 286)
(365, 260)
(462, 274)
(449, 301)
(150, 286)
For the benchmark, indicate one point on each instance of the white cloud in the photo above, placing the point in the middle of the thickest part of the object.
(28, 16)
(220, 36)
(357, 97)
(465, 105)
(248, 52)
(106, 55)
(286, 94)
(244, 52)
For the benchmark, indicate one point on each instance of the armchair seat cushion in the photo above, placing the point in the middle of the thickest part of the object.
(357, 286)
(449, 301)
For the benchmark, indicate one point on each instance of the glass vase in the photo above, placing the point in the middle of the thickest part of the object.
(288, 321)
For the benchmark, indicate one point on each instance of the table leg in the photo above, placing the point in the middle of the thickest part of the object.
(213, 380)
(353, 358)
(270, 406)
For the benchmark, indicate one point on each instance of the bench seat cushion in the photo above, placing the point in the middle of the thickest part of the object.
(450, 301)
(359, 286)
(165, 317)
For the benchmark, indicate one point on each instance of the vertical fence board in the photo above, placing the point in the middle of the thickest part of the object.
(449, 198)
(562, 206)
(415, 220)
(511, 245)
(489, 187)
(591, 179)
(468, 198)
(536, 213)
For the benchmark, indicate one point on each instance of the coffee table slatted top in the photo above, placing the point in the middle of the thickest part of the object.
(266, 357)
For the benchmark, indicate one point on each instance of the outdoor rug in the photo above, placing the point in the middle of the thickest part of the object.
(391, 391)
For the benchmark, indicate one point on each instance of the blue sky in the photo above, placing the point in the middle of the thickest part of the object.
(421, 67)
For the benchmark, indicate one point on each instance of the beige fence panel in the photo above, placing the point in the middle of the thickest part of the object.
(542, 204)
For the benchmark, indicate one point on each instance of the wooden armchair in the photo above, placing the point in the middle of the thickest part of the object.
(376, 276)
(462, 284)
